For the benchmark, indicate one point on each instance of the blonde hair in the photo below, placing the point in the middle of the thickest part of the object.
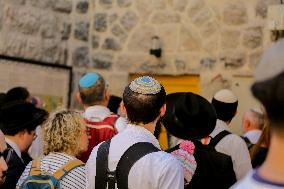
(62, 132)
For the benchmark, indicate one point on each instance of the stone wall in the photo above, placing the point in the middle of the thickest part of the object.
(215, 39)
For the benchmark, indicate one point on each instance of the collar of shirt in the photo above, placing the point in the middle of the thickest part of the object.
(141, 134)
(14, 146)
(220, 126)
(96, 113)
(253, 135)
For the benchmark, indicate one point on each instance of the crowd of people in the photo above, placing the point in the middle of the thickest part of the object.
(111, 143)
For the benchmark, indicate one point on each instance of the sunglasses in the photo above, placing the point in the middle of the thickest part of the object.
(6, 154)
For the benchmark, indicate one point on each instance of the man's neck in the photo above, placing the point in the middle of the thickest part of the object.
(273, 167)
(149, 126)
(97, 104)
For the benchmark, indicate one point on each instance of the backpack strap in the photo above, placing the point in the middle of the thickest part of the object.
(65, 169)
(102, 165)
(214, 141)
(248, 142)
(127, 160)
(35, 169)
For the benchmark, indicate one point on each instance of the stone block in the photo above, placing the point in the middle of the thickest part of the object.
(204, 16)
(106, 3)
(41, 4)
(144, 8)
(112, 18)
(209, 28)
(16, 2)
(233, 59)
(180, 5)
(254, 59)
(129, 62)
(80, 56)
(119, 32)
(235, 13)
(49, 27)
(159, 4)
(165, 17)
(102, 60)
(262, 5)
(51, 52)
(65, 31)
(194, 6)
(253, 37)
(141, 39)
(168, 35)
(230, 39)
(82, 7)
(63, 6)
(129, 20)
(95, 41)
(208, 62)
(81, 31)
(189, 40)
(111, 44)
(100, 23)
(124, 3)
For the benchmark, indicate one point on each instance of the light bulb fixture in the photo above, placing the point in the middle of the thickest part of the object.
(156, 48)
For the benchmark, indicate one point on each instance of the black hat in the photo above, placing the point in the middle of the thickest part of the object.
(189, 116)
(20, 115)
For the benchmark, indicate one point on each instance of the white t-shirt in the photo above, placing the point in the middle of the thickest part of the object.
(254, 181)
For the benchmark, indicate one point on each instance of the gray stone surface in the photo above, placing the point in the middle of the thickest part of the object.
(102, 60)
(82, 6)
(16, 2)
(65, 31)
(233, 59)
(129, 20)
(159, 4)
(144, 8)
(124, 3)
(180, 65)
(119, 32)
(111, 44)
(81, 31)
(80, 57)
(230, 39)
(235, 13)
(165, 17)
(95, 41)
(100, 23)
(106, 3)
(253, 37)
(51, 52)
(64, 6)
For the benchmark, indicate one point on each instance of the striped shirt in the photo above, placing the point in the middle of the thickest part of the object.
(75, 179)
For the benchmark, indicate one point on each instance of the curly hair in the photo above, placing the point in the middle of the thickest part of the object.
(62, 131)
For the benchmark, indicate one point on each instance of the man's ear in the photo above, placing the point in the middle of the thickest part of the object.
(106, 95)
(122, 109)
(163, 110)
(78, 97)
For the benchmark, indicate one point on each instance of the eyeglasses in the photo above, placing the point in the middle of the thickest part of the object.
(6, 154)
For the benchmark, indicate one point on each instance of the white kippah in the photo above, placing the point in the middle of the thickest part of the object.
(272, 62)
(226, 96)
(145, 85)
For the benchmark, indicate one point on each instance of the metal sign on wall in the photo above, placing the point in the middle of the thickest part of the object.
(52, 83)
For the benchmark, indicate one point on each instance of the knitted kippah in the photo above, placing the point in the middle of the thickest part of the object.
(185, 155)
(89, 80)
(226, 96)
(145, 85)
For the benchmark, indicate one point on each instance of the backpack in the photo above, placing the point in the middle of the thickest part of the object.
(99, 131)
(40, 180)
(119, 177)
(214, 169)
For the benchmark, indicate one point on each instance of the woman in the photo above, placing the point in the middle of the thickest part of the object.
(64, 139)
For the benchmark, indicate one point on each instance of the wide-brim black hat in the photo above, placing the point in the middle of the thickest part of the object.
(17, 116)
(189, 116)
